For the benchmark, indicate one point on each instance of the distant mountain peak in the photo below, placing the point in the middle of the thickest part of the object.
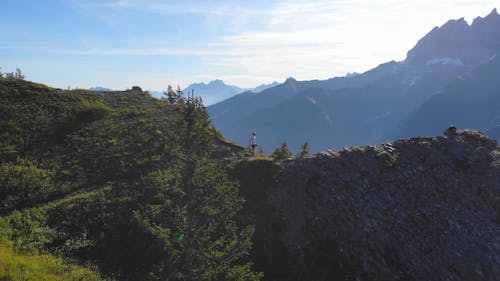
(454, 25)
(491, 17)
(493, 13)
(263, 87)
(351, 74)
(213, 91)
(473, 44)
(99, 88)
(290, 80)
(216, 82)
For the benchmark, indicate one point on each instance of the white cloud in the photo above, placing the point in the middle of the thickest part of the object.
(304, 39)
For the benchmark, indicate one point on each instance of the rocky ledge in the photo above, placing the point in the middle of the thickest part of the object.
(424, 208)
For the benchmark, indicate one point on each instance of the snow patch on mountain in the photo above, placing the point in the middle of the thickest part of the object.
(445, 60)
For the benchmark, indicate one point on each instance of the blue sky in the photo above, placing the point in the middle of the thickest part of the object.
(154, 43)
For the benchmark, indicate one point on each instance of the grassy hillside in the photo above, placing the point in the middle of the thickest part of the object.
(119, 181)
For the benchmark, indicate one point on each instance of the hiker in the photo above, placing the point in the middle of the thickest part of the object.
(252, 144)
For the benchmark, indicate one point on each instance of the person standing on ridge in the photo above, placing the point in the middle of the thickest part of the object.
(252, 144)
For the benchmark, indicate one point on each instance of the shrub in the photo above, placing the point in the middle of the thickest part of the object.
(23, 184)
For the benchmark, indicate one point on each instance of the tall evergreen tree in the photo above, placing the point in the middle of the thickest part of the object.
(193, 220)
(304, 150)
(18, 74)
(282, 153)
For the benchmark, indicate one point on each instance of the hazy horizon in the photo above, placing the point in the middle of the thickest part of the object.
(118, 44)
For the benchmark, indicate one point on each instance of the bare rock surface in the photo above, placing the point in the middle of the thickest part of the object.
(424, 208)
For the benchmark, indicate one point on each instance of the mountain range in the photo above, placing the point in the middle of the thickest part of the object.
(99, 88)
(449, 77)
(212, 92)
(216, 90)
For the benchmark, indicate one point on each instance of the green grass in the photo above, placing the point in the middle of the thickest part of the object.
(19, 264)
(260, 158)
(24, 267)
(76, 198)
(26, 230)
(43, 87)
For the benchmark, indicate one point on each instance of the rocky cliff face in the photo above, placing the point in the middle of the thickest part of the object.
(415, 209)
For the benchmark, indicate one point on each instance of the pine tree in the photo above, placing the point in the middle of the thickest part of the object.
(193, 219)
(19, 74)
(172, 96)
(304, 150)
(282, 153)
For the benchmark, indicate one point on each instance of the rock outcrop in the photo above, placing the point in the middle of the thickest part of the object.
(424, 208)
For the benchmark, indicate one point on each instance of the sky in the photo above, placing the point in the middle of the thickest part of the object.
(155, 43)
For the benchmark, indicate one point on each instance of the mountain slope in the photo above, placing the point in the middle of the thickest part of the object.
(227, 113)
(471, 101)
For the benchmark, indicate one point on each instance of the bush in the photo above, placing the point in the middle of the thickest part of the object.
(23, 184)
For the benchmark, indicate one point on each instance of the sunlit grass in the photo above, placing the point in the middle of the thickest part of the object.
(24, 267)
(261, 158)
